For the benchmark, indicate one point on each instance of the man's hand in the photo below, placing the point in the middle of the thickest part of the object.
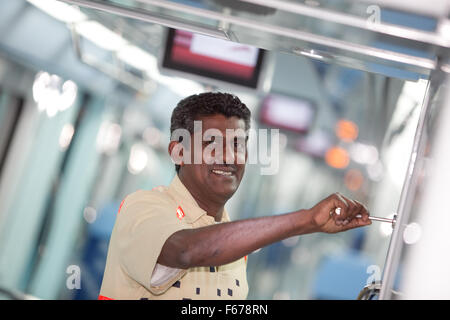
(326, 220)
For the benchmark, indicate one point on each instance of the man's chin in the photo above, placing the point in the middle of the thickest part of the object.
(222, 186)
(223, 192)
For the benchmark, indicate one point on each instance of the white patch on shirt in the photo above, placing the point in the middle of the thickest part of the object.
(161, 274)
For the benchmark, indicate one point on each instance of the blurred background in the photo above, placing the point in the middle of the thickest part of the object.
(86, 93)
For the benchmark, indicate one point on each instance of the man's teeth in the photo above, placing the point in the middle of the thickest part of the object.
(223, 173)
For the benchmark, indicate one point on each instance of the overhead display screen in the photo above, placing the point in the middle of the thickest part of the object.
(213, 58)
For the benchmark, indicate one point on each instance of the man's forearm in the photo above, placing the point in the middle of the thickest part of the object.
(226, 242)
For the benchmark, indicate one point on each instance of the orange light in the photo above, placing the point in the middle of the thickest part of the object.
(337, 157)
(346, 130)
(353, 179)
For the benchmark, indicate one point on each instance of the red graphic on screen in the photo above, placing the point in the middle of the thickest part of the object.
(181, 53)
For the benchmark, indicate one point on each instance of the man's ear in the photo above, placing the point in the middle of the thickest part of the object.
(176, 152)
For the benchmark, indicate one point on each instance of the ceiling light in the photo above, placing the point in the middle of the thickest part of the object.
(182, 87)
(68, 95)
(52, 94)
(108, 137)
(363, 153)
(139, 59)
(90, 214)
(138, 159)
(59, 10)
(337, 157)
(147, 62)
(66, 136)
(346, 130)
(100, 35)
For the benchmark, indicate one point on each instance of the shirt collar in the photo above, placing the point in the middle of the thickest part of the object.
(188, 204)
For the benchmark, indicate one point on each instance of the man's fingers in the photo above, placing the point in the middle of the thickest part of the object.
(360, 218)
(341, 198)
(354, 208)
(364, 212)
(344, 212)
(349, 210)
(355, 223)
(342, 206)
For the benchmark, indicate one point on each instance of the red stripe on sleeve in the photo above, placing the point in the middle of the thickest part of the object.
(121, 204)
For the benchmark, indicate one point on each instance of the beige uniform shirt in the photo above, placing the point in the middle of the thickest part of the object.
(145, 221)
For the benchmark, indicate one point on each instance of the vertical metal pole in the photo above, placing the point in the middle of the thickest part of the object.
(409, 186)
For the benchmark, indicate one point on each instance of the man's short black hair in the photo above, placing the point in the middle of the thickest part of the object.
(205, 104)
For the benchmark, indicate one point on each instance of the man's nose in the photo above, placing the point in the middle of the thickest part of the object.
(228, 153)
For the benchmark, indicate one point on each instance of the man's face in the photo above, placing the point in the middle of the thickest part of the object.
(222, 156)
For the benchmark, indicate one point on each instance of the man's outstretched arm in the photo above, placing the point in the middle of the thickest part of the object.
(223, 243)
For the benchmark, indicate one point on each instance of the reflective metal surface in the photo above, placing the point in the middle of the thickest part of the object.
(369, 292)
(337, 211)
(348, 33)
(411, 187)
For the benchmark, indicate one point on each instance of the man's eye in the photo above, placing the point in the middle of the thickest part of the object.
(212, 141)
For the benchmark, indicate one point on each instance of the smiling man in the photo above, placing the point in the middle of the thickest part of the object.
(178, 242)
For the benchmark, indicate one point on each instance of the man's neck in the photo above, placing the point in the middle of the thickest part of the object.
(212, 208)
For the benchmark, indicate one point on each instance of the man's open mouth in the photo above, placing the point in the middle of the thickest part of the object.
(228, 171)
(222, 173)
